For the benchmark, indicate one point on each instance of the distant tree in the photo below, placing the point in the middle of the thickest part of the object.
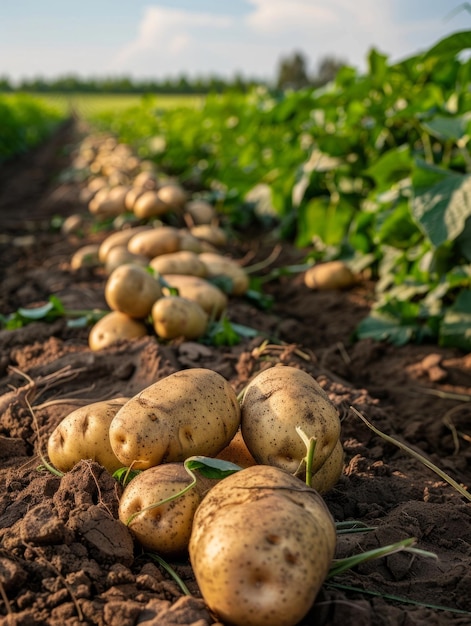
(5, 84)
(292, 72)
(327, 69)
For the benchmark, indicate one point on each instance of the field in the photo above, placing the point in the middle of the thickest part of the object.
(65, 558)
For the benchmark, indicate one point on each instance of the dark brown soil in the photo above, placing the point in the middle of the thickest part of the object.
(66, 560)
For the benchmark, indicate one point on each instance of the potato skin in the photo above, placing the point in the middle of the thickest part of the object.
(269, 574)
(114, 327)
(167, 528)
(84, 434)
(329, 275)
(174, 316)
(210, 298)
(159, 240)
(330, 471)
(118, 238)
(132, 290)
(219, 265)
(275, 402)
(190, 412)
(180, 262)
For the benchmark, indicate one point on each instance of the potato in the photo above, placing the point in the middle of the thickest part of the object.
(84, 434)
(108, 202)
(219, 265)
(275, 402)
(210, 298)
(120, 255)
(132, 290)
(114, 327)
(155, 241)
(330, 471)
(133, 194)
(118, 238)
(173, 196)
(145, 179)
(174, 316)
(190, 412)
(329, 275)
(237, 452)
(180, 262)
(192, 243)
(261, 547)
(165, 529)
(212, 234)
(87, 256)
(148, 204)
(200, 211)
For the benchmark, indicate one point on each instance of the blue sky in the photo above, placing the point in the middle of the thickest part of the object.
(146, 39)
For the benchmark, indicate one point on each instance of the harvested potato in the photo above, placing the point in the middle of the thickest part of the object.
(148, 204)
(132, 290)
(87, 256)
(120, 255)
(237, 452)
(173, 196)
(114, 327)
(174, 316)
(84, 434)
(151, 243)
(146, 179)
(165, 529)
(275, 402)
(329, 275)
(210, 298)
(108, 202)
(180, 262)
(261, 547)
(210, 233)
(192, 243)
(200, 212)
(219, 265)
(327, 476)
(118, 238)
(133, 194)
(190, 412)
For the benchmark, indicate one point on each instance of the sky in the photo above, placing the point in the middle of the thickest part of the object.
(169, 38)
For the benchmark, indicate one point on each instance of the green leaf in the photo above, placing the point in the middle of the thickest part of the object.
(447, 128)
(38, 313)
(442, 207)
(451, 45)
(211, 468)
(392, 166)
(455, 329)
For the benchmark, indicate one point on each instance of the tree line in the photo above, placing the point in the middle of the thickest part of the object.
(292, 73)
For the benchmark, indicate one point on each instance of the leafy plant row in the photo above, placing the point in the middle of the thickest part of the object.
(374, 168)
(25, 122)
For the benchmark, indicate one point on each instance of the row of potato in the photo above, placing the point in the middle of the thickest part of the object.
(158, 271)
(260, 541)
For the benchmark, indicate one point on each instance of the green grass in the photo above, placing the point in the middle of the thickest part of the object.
(89, 105)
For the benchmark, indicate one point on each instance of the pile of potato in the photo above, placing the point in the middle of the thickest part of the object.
(162, 260)
(272, 571)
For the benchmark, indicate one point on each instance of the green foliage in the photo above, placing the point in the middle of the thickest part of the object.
(374, 166)
(25, 122)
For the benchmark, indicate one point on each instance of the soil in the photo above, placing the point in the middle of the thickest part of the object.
(65, 559)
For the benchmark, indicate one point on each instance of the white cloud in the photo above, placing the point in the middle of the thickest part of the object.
(279, 16)
(173, 41)
(165, 35)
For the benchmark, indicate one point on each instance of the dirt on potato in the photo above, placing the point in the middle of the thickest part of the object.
(65, 559)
